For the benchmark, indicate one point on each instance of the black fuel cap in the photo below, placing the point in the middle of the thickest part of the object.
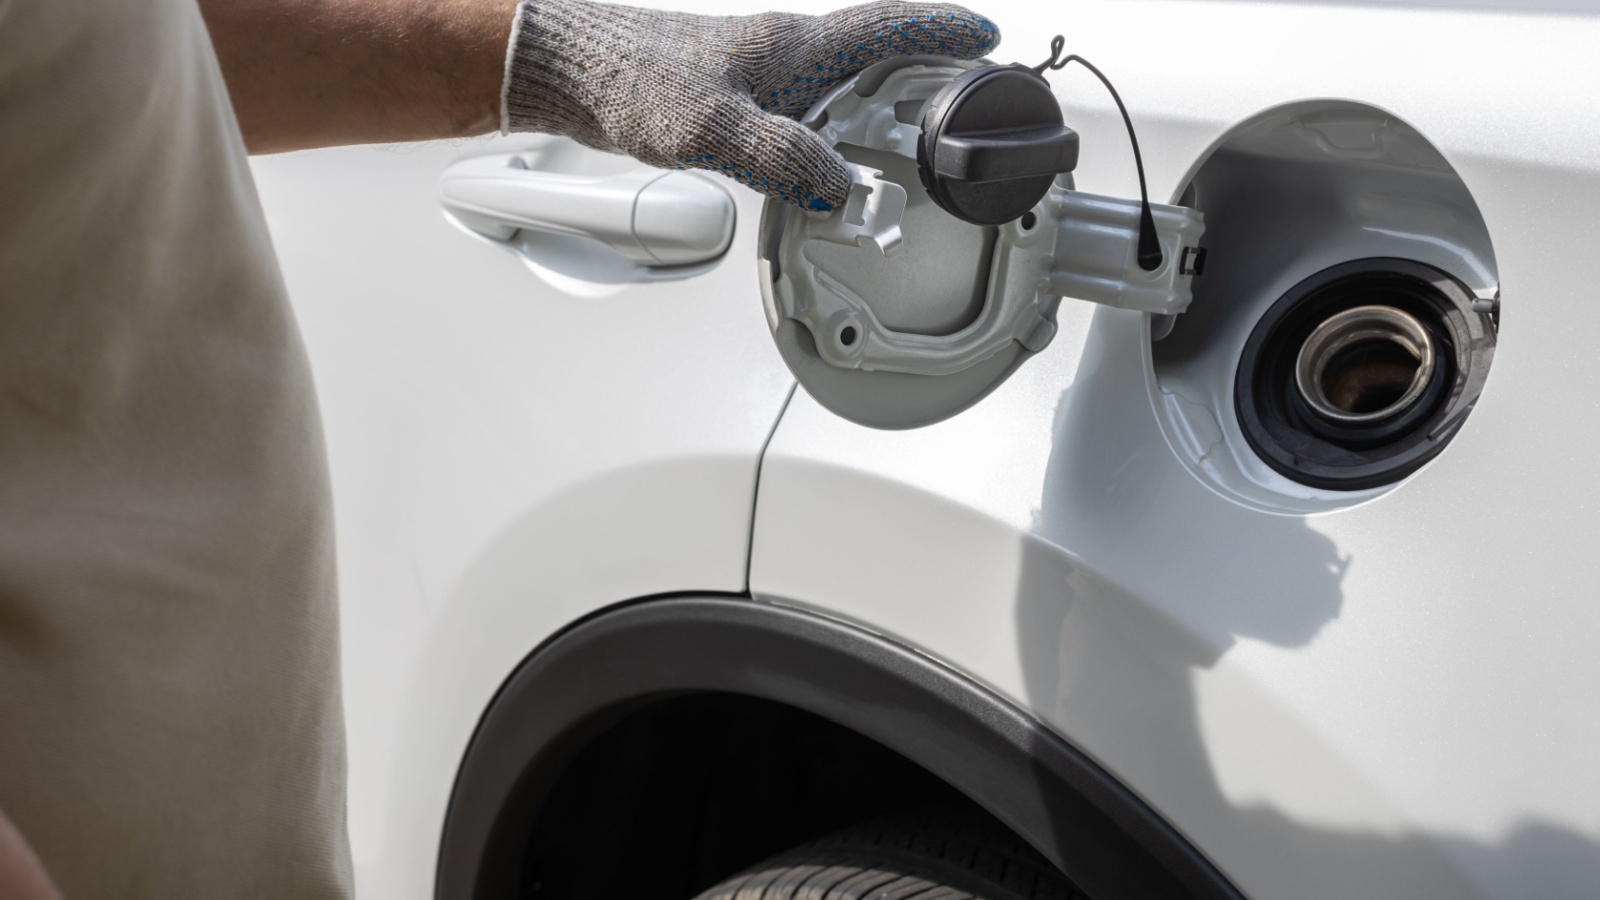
(992, 142)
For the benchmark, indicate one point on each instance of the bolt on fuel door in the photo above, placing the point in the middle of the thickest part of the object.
(893, 312)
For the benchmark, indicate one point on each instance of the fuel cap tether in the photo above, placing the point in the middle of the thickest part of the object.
(993, 141)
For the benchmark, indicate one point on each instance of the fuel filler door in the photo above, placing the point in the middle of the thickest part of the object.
(942, 273)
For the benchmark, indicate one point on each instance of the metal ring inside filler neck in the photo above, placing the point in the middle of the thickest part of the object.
(1347, 329)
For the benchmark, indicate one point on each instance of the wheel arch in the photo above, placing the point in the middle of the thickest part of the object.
(585, 680)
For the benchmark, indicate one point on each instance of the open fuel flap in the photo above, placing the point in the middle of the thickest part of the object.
(942, 273)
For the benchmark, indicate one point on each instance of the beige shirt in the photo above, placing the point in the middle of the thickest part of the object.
(169, 715)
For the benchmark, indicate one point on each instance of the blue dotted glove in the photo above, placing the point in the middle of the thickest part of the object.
(714, 92)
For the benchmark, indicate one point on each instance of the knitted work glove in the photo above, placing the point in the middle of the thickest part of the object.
(722, 93)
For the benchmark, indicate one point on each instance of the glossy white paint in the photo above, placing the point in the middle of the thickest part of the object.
(1392, 699)
(506, 458)
(1386, 700)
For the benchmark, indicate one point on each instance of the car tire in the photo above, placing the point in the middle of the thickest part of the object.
(925, 855)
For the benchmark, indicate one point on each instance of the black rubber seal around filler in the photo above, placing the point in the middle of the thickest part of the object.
(1280, 427)
(569, 691)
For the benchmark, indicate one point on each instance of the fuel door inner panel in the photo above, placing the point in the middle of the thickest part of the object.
(944, 270)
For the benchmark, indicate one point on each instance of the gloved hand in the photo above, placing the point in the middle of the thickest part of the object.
(722, 93)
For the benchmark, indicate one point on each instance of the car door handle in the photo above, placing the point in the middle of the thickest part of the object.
(654, 217)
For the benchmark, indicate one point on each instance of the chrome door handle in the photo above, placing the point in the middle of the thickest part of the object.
(654, 217)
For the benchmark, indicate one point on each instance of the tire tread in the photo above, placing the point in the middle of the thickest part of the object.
(922, 855)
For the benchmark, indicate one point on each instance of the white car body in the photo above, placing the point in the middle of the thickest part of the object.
(1390, 698)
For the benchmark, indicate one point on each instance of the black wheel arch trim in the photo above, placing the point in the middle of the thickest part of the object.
(576, 685)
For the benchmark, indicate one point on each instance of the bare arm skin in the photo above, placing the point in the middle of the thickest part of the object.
(21, 875)
(321, 73)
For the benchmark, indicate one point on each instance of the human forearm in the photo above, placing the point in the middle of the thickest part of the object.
(320, 73)
(22, 876)
(721, 93)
